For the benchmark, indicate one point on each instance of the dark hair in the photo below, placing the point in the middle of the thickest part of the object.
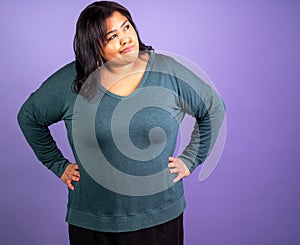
(90, 37)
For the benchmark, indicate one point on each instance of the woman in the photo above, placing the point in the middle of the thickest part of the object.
(122, 105)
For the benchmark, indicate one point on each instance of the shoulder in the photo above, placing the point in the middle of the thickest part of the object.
(68, 71)
(161, 58)
(163, 63)
(169, 62)
(173, 65)
(62, 79)
(57, 87)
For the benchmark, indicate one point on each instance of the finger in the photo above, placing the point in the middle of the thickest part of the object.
(75, 173)
(71, 187)
(171, 159)
(187, 172)
(173, 170)
(75, 178)
(172, 165)
(177, 178)
(69, 184)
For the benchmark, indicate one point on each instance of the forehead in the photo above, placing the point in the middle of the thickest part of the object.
(115, 21)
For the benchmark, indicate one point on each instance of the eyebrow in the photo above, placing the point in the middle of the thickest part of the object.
(114, 29)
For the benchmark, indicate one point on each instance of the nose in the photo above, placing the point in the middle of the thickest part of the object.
(123, 39)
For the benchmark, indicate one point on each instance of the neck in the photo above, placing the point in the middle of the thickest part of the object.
(112, 72)
(116, 71)
(121, 69)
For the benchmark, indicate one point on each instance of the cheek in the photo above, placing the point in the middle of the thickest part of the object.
(110, 50)
(134, 37)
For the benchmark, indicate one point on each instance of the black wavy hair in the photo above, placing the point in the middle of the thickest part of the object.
(90, 37)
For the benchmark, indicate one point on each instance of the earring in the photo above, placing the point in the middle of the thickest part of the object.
(99, 63)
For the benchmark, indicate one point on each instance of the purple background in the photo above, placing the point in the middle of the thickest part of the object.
(251, 51)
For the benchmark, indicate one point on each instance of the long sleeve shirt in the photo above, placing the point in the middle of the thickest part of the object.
(122, 143)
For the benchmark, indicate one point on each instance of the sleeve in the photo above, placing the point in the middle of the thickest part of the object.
(201, 101)
(47, 105)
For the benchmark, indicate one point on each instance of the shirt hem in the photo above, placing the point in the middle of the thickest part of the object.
(125, 223)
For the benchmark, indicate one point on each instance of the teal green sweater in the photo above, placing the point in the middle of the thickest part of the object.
(122, 144)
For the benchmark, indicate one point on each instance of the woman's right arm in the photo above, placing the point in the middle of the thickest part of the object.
(47, 105)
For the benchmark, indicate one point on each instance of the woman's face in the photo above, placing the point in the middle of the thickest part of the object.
(121, 38)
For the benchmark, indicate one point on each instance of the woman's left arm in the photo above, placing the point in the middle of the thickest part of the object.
(202, 102)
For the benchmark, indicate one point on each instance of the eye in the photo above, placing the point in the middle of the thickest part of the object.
(126, 27)
(112, 37)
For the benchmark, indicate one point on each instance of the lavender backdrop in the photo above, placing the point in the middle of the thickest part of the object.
(251, 51)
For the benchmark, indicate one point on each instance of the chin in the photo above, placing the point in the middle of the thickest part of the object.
(125, 59)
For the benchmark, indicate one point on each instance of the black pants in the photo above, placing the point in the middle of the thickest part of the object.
(170, 233)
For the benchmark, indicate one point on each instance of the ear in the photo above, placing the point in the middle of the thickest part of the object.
(101, 59)
(101, 46)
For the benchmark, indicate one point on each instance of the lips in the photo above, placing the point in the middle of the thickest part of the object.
(127, 49)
